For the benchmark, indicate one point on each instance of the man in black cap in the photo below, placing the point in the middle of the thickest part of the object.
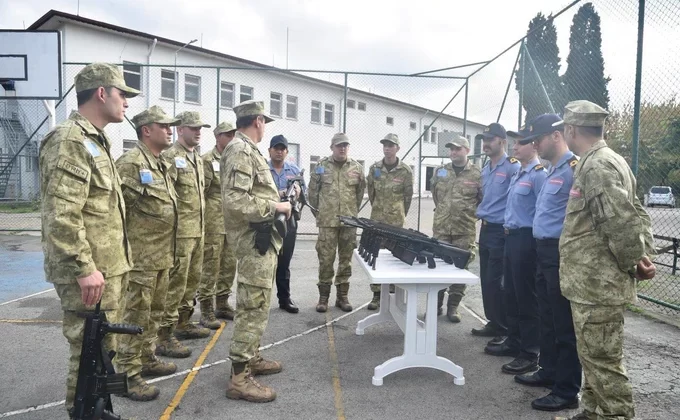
(282, 170)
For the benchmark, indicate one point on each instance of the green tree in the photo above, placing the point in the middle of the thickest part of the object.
(584, 78)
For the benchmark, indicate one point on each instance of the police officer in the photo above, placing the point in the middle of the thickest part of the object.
(87, 255)
(456, 191)
(496, 177)
(559, 369)
(519, 268)
(605, 247)
(390, 191)
(336, 189)
(151, 206)
(219, 263)
(251, 204)
(282, 171)
(188, 180)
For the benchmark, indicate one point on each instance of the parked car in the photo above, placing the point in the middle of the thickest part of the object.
(660, 196)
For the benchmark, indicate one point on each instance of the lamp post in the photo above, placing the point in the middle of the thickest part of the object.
(174, 94)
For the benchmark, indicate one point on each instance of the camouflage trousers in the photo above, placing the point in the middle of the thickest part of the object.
(219, 268)
(74, 326)
(332, 239)
(599, 341)
(256, 274)
(145, 306)
(185, 276)
(467, 242)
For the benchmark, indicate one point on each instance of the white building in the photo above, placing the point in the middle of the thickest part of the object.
(308, 110)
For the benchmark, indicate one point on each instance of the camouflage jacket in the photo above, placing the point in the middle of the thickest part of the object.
(187, 178)
(83, 215)
(151, 206)
(456, 198)
(248, 193)
(214, 216)
(390, 192)
(336, 189)
(606, 231)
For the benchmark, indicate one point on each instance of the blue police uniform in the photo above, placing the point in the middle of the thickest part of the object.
(521, 305)
(491, 210)
(558, 360)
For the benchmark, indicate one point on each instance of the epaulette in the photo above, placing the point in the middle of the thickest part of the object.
(538, 167)
(573, 162)
(513, 160)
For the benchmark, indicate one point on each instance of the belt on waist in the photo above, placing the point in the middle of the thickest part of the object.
(489, 224)
(548, 241)
(518, 231)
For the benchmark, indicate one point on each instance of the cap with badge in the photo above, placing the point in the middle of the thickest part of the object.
(155, 114)
(278, 140)
(458, 141)
(223, 127)
(252, 107)
(339, 138)
(538, 127)
(584, 114)
(493, 130)
(98, 75)
(390, 138)
(191, 119)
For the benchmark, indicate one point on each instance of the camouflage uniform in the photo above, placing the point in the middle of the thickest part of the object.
(606, 233)
(187, 176)
(336, 189)
(456, 198)
(151, 206)
(83, 216)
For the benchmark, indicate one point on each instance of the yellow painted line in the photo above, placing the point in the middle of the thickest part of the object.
(190, 377)
(335, 370)
(30, 321)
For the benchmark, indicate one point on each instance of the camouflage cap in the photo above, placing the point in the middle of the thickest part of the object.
(392, 138)
(191, 119)
(97, 75)
(584, 113)
(252, 107)
(339, 138)
(458, 141)
(223, 127)
(155, 114)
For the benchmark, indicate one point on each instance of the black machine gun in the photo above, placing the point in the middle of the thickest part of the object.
(405, 244)
(97, 379)
(280, 223)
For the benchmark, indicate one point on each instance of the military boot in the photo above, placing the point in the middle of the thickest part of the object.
(324, 294)
(452, 307)
(242, 386)
(153, 366)
(261, 366)
(167, 345)
(375, 302)
(186, 330)
(341, 300)
(208, 319)
(440, 302)
(223, 309)
(139, 390)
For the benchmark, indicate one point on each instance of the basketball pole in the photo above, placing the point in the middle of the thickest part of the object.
(49, 106)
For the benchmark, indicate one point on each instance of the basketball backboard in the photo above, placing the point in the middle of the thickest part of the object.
(30, 64)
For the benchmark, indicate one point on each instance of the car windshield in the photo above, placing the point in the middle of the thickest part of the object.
(660, 190)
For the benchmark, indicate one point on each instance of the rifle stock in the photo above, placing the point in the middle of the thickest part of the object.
(280, 223)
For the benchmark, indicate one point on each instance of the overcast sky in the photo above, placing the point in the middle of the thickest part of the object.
(394, 36)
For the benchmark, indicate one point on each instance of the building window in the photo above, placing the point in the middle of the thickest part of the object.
(227, 94)
(168, 86)
(132, 73)
(31, 157)
(433, 134)
(412, 125)
(246, 93)
(316, 112)
(361, 106)
(291, 107)
(275, 104)
(390, 121)
(129, 145)
(329, 114)
(294, 153)
(478, 146)
(192, 88)
(351, 103)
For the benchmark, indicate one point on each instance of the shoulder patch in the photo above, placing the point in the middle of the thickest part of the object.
(513, 160)
(72, 168)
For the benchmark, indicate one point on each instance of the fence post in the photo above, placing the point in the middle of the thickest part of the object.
(219, 94)
(465, 109)
(521, 85)
(638, 87)
(344, 107)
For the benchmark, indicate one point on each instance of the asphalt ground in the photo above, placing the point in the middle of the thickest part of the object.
(327, 368)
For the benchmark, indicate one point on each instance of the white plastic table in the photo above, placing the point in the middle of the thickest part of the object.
(420, 338)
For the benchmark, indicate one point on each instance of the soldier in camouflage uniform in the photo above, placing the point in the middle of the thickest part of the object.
(605, 247)
(219, 262)
(390, 190)
(187, 176)
(251, 202)
(456, 191)
(87, 254)
(336, 189)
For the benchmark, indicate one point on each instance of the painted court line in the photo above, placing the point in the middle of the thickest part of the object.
(24, 297)
(335, 371)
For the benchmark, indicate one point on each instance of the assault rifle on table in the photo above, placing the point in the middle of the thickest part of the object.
(280, 223)
(405, 244)
(97, 379)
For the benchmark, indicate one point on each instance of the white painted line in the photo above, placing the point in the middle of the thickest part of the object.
(25, 297)
(31, 409)
(479, 318)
